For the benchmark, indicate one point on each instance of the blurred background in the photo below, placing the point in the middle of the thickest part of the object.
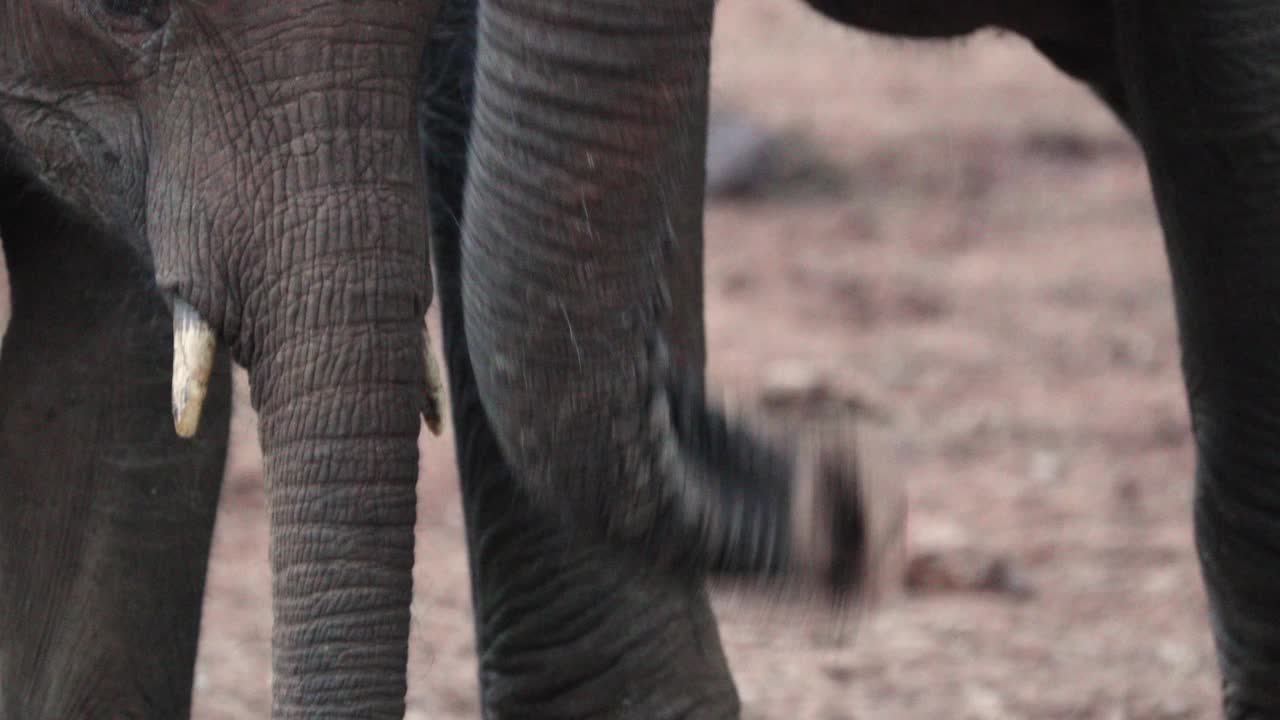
(962, 239)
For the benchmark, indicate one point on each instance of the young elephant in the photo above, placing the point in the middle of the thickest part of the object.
(247, 172)
(583, 218)
(252, 167)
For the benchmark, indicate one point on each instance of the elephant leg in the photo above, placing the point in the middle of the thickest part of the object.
(563, 628)
(1203, 77)
(105, 514)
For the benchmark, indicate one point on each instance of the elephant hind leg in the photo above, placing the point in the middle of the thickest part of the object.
(105, 515)
(1204, 80)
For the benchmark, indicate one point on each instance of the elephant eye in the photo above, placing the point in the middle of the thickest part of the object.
(152, 12)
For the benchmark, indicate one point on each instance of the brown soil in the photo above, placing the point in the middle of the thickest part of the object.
(978, 257)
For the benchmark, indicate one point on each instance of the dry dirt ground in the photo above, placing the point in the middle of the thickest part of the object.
(959, 236)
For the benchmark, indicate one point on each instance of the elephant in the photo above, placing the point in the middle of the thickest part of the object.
(232, 180)
(587, 142)
(266, 183)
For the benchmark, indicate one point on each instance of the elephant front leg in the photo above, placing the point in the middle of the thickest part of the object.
(105, 514)
(1204, 79)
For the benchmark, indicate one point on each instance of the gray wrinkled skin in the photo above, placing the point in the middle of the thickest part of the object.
(257, 160)
(583, 209)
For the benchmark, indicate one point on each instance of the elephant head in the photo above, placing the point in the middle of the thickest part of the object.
(582, 299)
(262, 158)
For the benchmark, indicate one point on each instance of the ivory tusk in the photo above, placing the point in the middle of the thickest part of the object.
(193, 347)
(434, 410)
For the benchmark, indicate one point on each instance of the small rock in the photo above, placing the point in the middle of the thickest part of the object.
(1128, 492)
(794, 385)
(1004, 578)
(965, 571)
(1171, 432)
(740, 156)
(919, 303)
(1133, 350)
(841, 674)
(735, 283)
(1072, 146)
(747, 161)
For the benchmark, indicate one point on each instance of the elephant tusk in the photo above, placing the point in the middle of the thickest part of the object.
(434, 410)
(193, 347)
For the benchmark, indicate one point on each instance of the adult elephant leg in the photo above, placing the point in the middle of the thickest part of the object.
(563, 629)
(1204, 81)
(105, 515)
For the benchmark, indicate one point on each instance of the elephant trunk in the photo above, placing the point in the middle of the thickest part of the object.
(327, 316)
(339, 405)
(585, 194)
(331, 331)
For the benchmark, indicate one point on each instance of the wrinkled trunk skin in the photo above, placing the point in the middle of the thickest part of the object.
(305, 247)
(339, 426)
(338, 384)
(337, 377)
(585, 194)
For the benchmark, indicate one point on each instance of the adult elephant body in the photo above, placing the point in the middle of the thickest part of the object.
(585, 189)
